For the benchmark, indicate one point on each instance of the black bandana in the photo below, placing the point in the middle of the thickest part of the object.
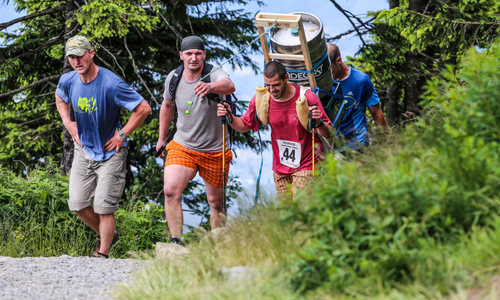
(192, 42)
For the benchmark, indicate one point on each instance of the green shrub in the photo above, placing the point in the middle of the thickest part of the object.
(368, 221)
(36, 221)
(140, 228)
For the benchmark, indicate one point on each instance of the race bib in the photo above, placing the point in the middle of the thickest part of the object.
(290, 153)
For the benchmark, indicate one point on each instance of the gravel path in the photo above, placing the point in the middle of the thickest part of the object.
(63, 277)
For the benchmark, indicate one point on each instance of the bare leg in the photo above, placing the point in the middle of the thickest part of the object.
(214, 196)
(107, 228)
(89, 217)
(176, 178)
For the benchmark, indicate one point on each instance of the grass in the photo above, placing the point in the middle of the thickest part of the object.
(53, 238)
(257, 239)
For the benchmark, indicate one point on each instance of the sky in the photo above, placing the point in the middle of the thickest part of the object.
(247, 163)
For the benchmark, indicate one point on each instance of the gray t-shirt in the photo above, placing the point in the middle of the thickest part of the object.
(201, 130)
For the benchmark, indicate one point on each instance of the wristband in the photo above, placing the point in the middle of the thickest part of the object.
(320, 123)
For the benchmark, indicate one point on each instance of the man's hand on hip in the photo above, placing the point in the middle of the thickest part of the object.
(115, 142)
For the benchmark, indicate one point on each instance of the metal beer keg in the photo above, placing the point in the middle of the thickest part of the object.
(286, 41)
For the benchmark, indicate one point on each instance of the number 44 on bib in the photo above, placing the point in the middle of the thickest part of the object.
(290, 153)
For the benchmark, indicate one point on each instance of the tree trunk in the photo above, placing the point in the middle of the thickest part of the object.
(393, 4)
(392, 107)
(418, 5)
(412, 95)
(68, 144)
(393, 92)
(413, 89)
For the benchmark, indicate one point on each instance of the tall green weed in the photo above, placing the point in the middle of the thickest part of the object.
(36, 221)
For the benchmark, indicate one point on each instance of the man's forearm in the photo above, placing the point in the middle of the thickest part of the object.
(378, 115)
(325, 130)
(222, 87)
(239, 125)
(380, 120)
(167, 111)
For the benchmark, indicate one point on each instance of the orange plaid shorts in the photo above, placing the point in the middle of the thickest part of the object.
(209, 165)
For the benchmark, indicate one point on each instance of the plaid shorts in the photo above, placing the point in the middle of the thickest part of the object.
(296, 181)
(209, 165)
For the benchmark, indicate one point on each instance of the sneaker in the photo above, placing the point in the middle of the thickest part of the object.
(177, 241)
(100, 255)
(116, 236)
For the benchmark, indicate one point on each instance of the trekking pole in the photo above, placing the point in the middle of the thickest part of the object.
(311, 125)
(224, 205)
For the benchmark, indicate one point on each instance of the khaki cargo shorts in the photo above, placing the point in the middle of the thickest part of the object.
(103, 181)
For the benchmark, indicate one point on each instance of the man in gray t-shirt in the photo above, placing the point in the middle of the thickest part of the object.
(197, 144)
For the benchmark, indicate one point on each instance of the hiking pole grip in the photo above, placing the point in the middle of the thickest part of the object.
(311, 123)
(228, 117)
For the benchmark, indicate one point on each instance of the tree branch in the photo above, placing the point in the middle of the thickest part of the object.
(338, 36)
(177, 33)
(12, 50)
(135, 69)
(144, 184)
(34, 120)
(38, 96)
(453, 22)
(114, 58)
(427, 6)
(32, 16)
(364, 24)
(38, 134)
(53, 41)
(29, 86)
(348, 18)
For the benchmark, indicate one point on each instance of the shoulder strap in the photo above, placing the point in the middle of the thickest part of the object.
(207, 68)
(176, 77)
(303, 90)
(174, 81)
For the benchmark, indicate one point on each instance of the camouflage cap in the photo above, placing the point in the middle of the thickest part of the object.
(77, 45)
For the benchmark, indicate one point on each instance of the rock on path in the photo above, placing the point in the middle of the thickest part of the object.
(63, 277)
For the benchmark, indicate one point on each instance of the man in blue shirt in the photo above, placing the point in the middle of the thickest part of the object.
(98, 171)
(360, 94)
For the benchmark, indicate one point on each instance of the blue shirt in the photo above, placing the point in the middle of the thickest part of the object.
(97, 107)
(359, 92)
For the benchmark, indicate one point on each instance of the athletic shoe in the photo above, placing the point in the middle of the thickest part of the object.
(177, 241)
(116, 236)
